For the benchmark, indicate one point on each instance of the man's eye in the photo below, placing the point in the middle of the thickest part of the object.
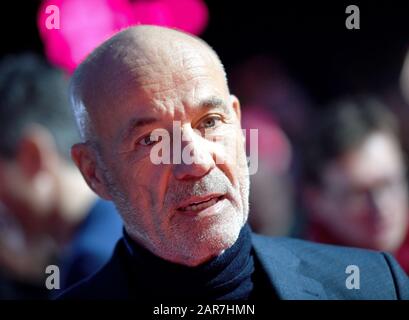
(147, 140)
(210, 122)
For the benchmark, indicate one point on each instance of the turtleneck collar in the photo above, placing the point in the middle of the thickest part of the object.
(225, 277)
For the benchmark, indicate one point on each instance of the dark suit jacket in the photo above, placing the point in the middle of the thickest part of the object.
(93, 243)
(296, 269)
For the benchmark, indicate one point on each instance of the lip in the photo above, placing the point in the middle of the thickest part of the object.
(197, 200)
(215, 209)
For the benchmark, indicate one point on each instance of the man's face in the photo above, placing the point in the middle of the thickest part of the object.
(185, 213)
(363, 200)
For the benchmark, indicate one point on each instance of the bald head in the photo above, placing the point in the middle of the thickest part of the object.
(135, 59)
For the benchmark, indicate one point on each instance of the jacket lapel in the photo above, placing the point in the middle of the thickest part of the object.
(283, 269)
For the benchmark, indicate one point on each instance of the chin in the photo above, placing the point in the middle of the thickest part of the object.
(209, 244)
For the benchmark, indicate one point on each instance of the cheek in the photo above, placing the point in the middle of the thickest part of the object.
(397, 210)
(231, 145)
(353, 215)
(401, 201)
(334, 212)
(230, 156)
(145, 184)
(326, 205)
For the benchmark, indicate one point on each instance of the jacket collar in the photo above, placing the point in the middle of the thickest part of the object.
(283, 269)
(281, 266)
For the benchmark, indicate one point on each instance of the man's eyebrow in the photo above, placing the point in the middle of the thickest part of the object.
(214, 103)
(135, 124)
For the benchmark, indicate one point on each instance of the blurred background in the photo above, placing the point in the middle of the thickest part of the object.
(329, 104)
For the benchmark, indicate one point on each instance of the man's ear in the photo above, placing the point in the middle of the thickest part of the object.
(84, 156)
(236, 106)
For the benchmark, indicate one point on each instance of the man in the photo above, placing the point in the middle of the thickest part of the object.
(51, 216)
(185, 221)
(355, 179)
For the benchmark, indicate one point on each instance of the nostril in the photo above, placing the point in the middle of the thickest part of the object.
(192, 171)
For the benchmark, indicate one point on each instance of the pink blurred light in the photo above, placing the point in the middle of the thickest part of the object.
(153, 12)
(84, 25)
(87, 23)
(189, 15)
(273, 144)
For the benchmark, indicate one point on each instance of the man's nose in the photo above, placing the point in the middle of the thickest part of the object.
(196, 157)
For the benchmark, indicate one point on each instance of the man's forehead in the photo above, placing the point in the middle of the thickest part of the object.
(155, 75)
(142, 103)
(162, 89)
(130, 70)
(153, 115)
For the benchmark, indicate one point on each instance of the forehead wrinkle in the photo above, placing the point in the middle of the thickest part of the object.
(164, 75)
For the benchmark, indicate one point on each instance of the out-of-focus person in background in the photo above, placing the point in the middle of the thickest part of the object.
(271, 193)
(49, 214)
(354, 180)
(19, 273)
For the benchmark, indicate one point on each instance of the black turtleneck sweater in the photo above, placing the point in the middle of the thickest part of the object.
(230, 276)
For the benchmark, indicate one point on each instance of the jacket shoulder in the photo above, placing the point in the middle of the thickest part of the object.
(380, 276)
(107, 283)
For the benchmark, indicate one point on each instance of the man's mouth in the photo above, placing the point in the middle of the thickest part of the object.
(201, 204)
